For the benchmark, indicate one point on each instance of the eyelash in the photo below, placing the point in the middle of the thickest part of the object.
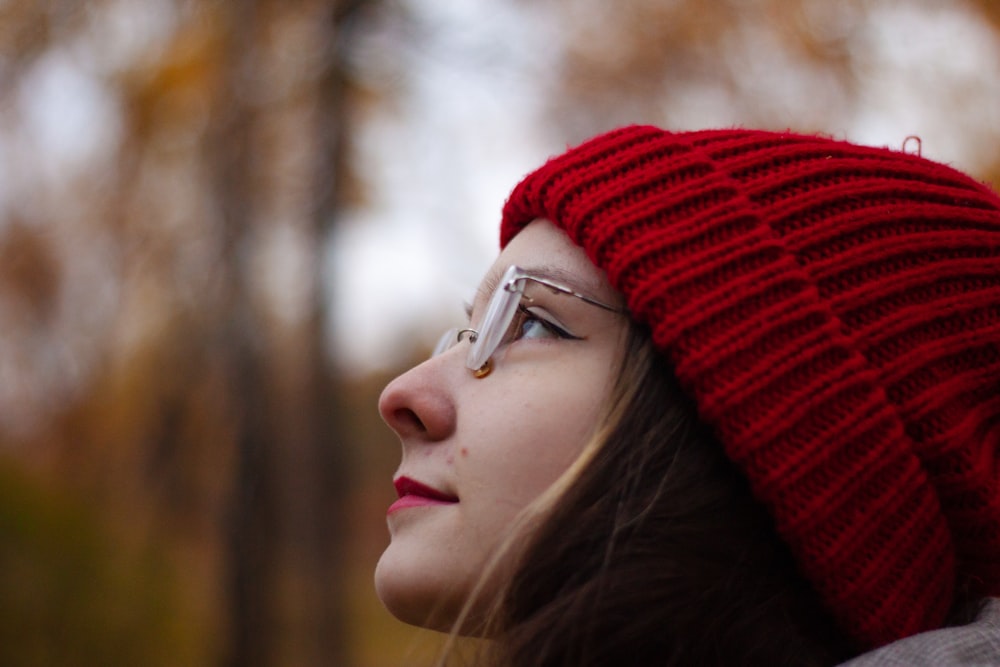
(524, 315)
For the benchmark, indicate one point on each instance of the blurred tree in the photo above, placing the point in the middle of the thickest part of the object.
(77, 592)
(810, 65)
(203, 419)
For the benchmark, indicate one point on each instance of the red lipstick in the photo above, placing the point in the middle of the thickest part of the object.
(414, 494)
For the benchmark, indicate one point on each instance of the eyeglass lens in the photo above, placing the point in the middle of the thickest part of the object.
(499, 313)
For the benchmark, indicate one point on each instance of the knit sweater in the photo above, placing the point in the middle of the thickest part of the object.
(976, 644)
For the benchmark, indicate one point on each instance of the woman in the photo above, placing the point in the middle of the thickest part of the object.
(725, 397)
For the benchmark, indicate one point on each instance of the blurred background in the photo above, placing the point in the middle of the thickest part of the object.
(224, 225)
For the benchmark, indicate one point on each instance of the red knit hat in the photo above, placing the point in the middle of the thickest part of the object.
(834, 310)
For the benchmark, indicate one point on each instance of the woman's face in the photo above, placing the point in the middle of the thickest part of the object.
(476, 451)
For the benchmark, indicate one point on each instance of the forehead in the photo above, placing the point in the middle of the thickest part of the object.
(544, 250)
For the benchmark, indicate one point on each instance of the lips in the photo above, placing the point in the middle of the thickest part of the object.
(409, 487)
(414, 494)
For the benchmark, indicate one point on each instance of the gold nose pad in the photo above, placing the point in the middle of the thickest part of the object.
(484, 370)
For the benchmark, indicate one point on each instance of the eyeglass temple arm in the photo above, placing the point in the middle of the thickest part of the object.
(562, 288)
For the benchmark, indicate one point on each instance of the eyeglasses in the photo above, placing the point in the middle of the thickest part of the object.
(496, 325)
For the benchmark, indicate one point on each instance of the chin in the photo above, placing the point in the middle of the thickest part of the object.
(415, 595)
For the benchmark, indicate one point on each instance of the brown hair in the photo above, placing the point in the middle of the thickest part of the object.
(657, 553)
(652, 551)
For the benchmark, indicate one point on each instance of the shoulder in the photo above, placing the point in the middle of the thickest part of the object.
(977, 643)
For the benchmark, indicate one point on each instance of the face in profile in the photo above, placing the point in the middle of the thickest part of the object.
(477, 450)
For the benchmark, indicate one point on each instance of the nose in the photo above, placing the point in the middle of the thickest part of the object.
(418, 404)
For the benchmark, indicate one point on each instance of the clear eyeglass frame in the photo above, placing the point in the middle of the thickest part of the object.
(499, 314)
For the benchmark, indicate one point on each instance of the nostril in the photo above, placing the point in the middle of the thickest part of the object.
(407, 419)
(419, 403)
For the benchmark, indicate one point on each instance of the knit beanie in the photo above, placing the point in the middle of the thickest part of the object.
(834, 312)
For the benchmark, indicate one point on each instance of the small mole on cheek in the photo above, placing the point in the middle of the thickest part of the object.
(464, 451)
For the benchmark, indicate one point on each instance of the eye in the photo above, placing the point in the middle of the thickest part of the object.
(532, 323)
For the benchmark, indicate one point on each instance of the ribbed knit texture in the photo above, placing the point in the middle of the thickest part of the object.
(834, 310)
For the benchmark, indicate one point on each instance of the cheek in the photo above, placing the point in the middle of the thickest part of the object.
(530, 447)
